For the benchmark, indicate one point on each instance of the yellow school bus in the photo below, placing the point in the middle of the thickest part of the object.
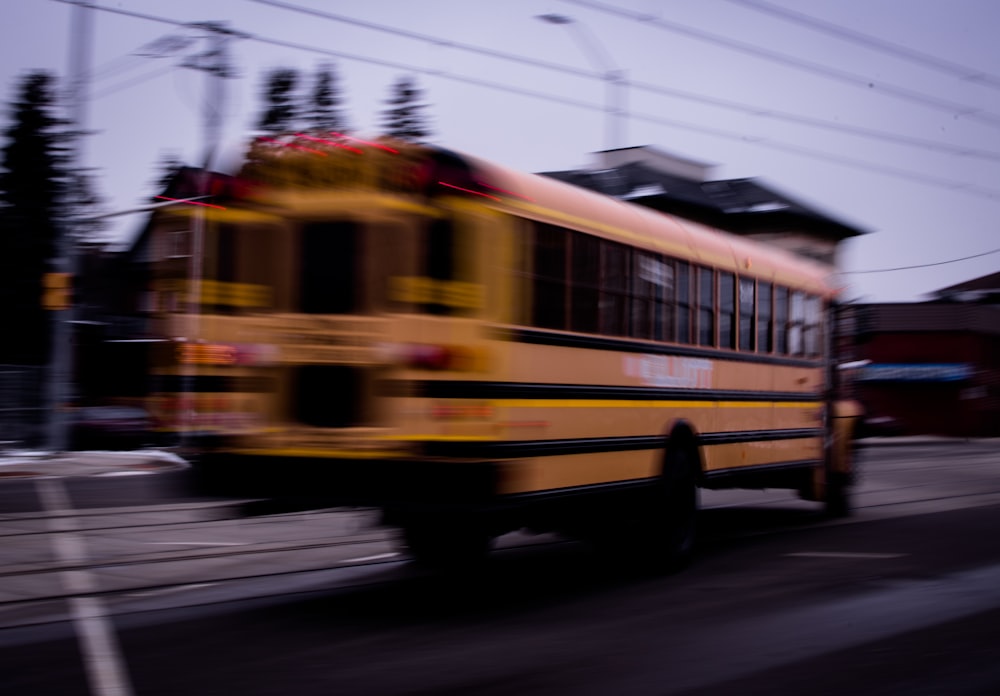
(476, 350)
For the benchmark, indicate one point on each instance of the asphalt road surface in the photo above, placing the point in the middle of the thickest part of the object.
(168, 596)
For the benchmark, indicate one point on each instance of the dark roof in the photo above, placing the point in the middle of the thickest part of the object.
(985, 285)
(185, 183)
(732, 204)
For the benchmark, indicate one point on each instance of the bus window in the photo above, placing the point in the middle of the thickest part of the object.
(218, 266)
(439, 259)
(237, 268)
(748, 304)
(328, 396)
(684, 298)
(614, 289)
(781, 320)
(796, 321)
(586, 275)
(765, 326)
(549, 281)
(440, 247)
(393, 264)
(663, 314)
(645, 288)
(813, 326)
(727, 310)
(225, 266)
(706, 307)
(658, 274)
(329, 267)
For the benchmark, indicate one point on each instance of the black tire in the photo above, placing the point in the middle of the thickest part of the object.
(446, 544)
(674, 515)
(657, 533)
(837, 499)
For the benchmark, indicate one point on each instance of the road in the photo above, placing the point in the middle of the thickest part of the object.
(178, 596)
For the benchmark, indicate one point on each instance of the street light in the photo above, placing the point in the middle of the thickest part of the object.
(613, 77)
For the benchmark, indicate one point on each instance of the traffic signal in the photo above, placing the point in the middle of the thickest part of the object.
(58, 291)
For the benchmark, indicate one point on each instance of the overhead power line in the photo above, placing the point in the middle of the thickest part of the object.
(145, 77)
(163, 47)
(436, 40)
(972, 113)
(126, 13)
(753, 140)
(922, 265)
(952, 185)
(962, 72)
(753, 110)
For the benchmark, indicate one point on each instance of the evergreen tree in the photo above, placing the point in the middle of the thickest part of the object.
(32, 162)
(324, 110)
(281, 113)
(32, 183)
(404, 118)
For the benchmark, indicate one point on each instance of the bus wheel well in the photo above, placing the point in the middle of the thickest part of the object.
(682, 435)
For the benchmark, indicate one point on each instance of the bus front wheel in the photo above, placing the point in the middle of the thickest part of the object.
(674, 510)
(837, 498)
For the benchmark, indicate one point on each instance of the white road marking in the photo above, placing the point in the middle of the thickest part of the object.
(844, 554)
(102, 657)
(376, 557)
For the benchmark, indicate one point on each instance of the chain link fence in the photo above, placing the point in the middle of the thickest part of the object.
(22, 406)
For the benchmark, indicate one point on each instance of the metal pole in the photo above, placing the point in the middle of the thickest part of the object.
(615, 110)
(61, 376)
(215, 62)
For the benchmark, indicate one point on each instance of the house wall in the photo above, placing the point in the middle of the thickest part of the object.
(950, 335)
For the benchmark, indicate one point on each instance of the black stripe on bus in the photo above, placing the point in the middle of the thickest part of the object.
(610, 487)
(762, 468)
(633, 485)
(470, 389)
(512, 449)
(550, 338)
(758, 436)
(540, 448)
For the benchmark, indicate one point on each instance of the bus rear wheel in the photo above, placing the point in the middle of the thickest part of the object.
(444, 544)
(657, 533)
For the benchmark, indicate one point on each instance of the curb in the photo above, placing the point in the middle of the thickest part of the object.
(27, 465)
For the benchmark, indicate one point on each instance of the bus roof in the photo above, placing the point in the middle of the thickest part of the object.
(532, 196)
(549, 200)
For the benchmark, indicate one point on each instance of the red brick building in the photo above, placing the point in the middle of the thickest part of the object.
(933, 367)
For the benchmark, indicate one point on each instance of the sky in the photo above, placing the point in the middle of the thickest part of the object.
(884, 114)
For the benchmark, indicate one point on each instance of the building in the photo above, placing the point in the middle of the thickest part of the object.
(933, 367)
(686, 188)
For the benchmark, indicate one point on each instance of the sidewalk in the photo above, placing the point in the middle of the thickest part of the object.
(16, 464)
(919, 440)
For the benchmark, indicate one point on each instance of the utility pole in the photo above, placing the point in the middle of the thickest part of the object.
(214, 61)
(61, 377)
